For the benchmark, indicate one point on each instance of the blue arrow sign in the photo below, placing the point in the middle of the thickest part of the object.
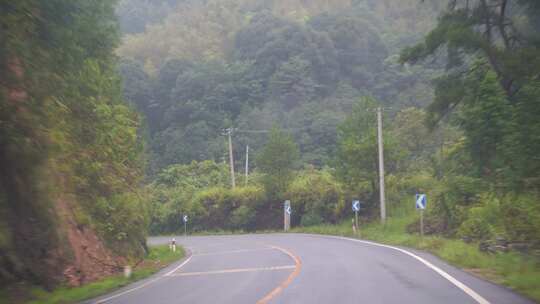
(355, 205)
(288, 210)
(421, 201)
(185, 218)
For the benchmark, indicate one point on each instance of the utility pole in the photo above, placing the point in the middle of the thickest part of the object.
(381, 165)
(231, 158)
(229, 132)
(247, 164)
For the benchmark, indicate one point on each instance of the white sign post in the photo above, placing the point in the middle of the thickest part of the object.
(185, 218)
(356, 208)
(421, 202)
(287, 215)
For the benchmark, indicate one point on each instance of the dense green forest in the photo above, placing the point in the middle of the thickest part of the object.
(114, 119)
(248, 65)
(204, 66)
(457, 80)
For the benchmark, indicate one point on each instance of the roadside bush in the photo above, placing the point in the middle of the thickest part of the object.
(400, 191)
(316, 197)
(483, 220)
(173, 194)
(515, 217)
(243, 217)
(452, 197)
(249, 202)
(168, 204)
(521, 219)
(122, 220)
(230, 208)
(311, 219)
(475, 227)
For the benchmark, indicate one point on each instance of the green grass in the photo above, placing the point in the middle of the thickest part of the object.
(516, 271)
(158, 258)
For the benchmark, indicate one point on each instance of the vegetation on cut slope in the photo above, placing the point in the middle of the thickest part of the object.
(70, 154)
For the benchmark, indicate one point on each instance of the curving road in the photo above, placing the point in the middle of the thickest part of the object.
(301, 268)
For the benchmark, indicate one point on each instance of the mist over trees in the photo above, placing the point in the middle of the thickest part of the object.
(253, 65)
(245, 64)
(460, 93)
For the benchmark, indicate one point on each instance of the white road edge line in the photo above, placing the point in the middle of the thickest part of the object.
(272, 268)
(142, 285)
(478, 298)
(179, 266)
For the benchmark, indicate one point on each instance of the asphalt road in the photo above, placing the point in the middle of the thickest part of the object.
(299, 268)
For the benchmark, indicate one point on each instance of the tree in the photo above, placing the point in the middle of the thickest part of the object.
(490, 91)
(357, 152)
(493, 60)
(292, 84)
(359, 48)
(485, 118)
(277, 162)
(278, 46)
(486, 29)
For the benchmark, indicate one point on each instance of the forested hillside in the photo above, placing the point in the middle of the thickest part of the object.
(210, 65)
(457, 81)
(70, 155)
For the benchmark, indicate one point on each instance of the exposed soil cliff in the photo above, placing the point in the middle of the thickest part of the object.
(90, 260)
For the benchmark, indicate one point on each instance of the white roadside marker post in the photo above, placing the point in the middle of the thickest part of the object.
(287, 215)
(127, 271)
(185, 219)
(420, 203)
(356, 208)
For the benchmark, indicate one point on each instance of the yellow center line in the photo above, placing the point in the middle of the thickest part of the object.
(236, 270)
(298, 265)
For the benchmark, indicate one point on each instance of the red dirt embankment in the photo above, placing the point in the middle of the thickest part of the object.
(90, 259)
